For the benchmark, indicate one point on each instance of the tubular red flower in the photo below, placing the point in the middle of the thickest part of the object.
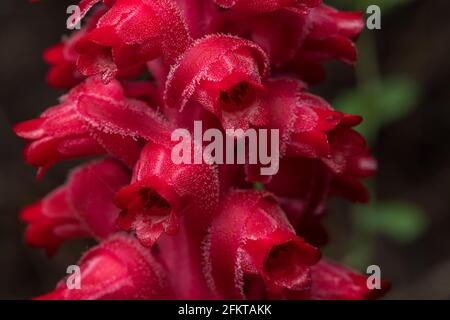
(63, 58)
(348, 183)
(331, 36)
(161, 191)
(298, 41)
(118, 268)
(131, 33)
(302, 118)
(310, 128)
(92, 119)
(65, 213)
(224, 75)
(251, 243)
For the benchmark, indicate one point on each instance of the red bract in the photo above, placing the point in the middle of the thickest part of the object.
(298, 41)
(65, 213)
(310, 128)
(302, 118)
(331, 36)
(93, 118)
(138, 70)
(118, 268)
(162, 191)
(348, 184)
(224, 74)
(131, 33)
(63, 58)
(251, 244)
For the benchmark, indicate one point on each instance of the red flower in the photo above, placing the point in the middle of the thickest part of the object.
(93, 118)
(119, 268)
(297, 41)
(310, 128)
(352, 162)
(161, 191)
(331, 35)
(65, 213)
(302, 118)
(131, 33)
(224, 74)
(63, 58)
(251, 244)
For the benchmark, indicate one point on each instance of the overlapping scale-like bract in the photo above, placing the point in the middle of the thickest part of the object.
(65, 213)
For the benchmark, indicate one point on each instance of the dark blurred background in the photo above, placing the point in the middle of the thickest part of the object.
(401, 85)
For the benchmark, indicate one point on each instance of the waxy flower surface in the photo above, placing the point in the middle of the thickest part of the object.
(139, 69)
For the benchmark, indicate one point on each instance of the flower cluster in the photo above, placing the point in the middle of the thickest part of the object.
(139, 69)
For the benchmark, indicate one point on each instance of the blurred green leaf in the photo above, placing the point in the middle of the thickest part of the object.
(359, 254)
(258, 186)
(400, 220)
(379, 103)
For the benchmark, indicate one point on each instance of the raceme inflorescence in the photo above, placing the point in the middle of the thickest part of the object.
(137, 71)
